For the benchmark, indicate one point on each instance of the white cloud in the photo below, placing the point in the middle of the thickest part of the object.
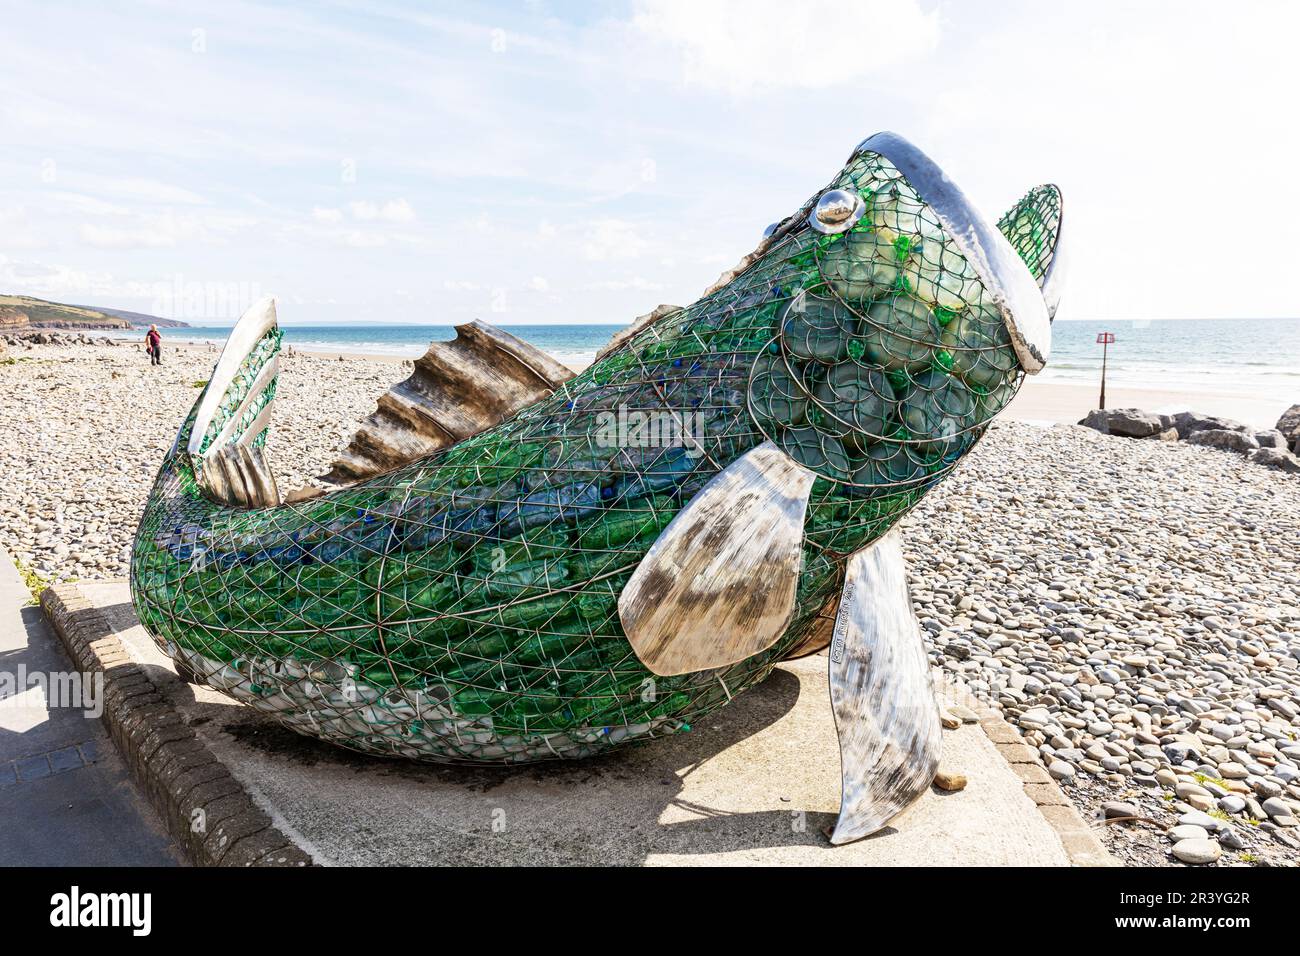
(637, 283)
(57, 282)
(16, 228)
(607, 239)
(1151, 120)
(90, 206)
(539, 284)
(745, 46)
(106, 237)
(141, 190)
(396, 210)
(363, 240)
(164, 230)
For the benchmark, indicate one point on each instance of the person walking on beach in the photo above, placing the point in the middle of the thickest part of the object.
(153, 345)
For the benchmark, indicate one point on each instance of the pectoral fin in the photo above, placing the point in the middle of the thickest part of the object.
(885, 710)
(718, 585)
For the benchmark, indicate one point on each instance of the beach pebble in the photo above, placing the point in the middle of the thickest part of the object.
(1232, 804)
(1116, 808)
(1197, 850)
(949, 780)
(1232, 840)
(1199, 818)
(1060, 770)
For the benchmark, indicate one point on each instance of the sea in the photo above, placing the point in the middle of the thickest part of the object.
(1259, 358)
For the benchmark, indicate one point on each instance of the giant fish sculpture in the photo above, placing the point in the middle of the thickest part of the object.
(521, 564)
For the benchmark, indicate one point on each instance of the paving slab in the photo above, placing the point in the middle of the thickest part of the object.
(66, 798)
(755, 784)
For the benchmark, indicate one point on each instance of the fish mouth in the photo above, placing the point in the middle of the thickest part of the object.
(1007, 279)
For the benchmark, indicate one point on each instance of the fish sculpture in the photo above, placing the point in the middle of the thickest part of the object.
(516, 563)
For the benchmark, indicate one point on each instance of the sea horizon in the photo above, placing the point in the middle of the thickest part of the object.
(1248, 357)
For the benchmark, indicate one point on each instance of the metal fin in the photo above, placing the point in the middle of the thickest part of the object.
(252, 326)
(1035, 227)
(238, 475)
(718, 585)
(639, 325)
(458, 388)
(229, 464)
(881, 694)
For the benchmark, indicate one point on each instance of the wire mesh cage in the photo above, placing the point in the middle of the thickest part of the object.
(464, 607)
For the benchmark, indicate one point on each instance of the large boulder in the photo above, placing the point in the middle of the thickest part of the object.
(1272, 438)
(1188, 423)
(1289, 425)
(1278, 458)
(1130, 422)
(1225, 439)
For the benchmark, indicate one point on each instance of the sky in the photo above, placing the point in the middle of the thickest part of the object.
(583, 162)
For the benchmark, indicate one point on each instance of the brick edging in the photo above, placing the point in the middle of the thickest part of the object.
(182, 778)
(1081, 844)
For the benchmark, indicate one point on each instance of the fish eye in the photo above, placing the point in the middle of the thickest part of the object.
(836, 211)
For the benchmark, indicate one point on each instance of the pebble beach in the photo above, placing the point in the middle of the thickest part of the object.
(1131, 606)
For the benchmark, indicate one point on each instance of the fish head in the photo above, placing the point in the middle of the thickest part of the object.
(906, 320)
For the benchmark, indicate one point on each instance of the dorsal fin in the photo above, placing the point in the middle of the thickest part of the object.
(638, 325)
(458, 388)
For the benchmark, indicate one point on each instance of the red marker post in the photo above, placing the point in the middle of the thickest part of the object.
(1104, 339)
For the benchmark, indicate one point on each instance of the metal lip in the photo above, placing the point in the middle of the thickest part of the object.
(1006, 278)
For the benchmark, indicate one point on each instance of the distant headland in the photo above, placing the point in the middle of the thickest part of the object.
(19, 312)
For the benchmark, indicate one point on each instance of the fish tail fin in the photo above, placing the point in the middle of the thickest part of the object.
(228, 432)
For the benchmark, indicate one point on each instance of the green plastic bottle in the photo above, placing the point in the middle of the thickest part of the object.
(815, 328)
(900, 333)
(858, 403)
(940, 409)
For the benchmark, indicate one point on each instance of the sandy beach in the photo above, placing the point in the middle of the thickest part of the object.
(1133, 606)
(1043, 400)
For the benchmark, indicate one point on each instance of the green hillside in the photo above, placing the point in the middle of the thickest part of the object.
(24, 311)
